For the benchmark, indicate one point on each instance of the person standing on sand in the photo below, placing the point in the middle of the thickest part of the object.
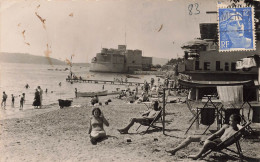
(41, 92)
(212, 141)
(96, 128)
(152, 82)
(22, 101)
(37, 99)
(3, 104)
(12, 100)
(76, 92)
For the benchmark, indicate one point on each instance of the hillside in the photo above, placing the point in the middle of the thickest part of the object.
(28, 59)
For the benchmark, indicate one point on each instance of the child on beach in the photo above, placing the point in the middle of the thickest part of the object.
(212, 141)
(96, 129)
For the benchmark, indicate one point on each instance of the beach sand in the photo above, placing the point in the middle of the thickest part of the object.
(54, 134)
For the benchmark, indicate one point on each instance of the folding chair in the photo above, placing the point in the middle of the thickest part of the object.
(150, 123)
(232, 99)
(207, 117)
(234, 139)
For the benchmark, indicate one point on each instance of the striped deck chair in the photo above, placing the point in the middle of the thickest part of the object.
(234, 139)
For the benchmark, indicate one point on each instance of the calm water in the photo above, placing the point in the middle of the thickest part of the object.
(14, 77)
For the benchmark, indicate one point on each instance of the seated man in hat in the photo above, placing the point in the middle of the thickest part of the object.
(148, 115)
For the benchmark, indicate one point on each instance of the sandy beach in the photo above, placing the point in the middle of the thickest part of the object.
(53, 134)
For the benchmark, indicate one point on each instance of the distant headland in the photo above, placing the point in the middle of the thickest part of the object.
(23, 58)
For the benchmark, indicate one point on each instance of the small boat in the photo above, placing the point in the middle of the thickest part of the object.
(131, 76)
(113, 93)
(92, 94)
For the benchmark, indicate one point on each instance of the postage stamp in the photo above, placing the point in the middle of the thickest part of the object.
(236, 29)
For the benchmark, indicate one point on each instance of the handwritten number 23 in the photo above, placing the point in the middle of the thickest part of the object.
(196, 6)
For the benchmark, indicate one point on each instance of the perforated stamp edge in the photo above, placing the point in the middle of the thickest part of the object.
(221, 5)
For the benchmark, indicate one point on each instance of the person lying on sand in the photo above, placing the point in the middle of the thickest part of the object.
(96, 129)
(150, 115)
(212, 141)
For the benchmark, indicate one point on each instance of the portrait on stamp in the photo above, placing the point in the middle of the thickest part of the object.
(236, 29)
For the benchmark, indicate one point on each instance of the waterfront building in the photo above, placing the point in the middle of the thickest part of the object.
(120, 60)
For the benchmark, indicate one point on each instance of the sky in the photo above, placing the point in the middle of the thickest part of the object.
(62, 28)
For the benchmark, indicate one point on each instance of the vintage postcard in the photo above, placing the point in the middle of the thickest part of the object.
(129, 80)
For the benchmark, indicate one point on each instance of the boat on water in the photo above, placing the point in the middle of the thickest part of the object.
(113, 93)
(120, 60)
(98, 93)
(92, 94)
(132, 76)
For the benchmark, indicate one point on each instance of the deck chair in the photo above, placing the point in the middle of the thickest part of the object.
(150, 123)
(234, 139)
(233, 101)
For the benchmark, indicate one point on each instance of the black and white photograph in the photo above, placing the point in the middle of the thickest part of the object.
(129, 80)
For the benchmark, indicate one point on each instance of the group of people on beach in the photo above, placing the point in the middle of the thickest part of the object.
(98, 133)
(4, 99)
(37, 103)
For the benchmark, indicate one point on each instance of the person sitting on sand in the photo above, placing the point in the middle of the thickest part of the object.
(94, 100)
(96, 129)
(150, 115)
(143, 98)
(212, 141)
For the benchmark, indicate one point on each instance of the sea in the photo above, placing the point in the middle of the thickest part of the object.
(14, 77)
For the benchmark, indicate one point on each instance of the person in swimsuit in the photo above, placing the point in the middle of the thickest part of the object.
(150, 115)
(12, 100)
(22, 101)
(27, 86)
(212, 141)
(96, 129)
(3, 104)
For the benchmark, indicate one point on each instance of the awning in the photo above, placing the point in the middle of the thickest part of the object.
(201, 84)
(248, 62)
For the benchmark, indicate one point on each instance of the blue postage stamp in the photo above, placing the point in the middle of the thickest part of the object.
(236, 29)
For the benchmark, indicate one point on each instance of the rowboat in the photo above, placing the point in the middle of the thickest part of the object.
(132, 76)
(113, 93)
(92, 94)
